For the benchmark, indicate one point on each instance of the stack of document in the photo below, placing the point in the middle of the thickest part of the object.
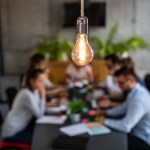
(56, 109)
(52, 119)
(75, 129)
(91, 128)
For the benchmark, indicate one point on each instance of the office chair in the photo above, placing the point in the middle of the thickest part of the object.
(147, 81)
(14, 146)
(10, 93)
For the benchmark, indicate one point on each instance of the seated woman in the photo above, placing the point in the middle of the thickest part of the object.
(112, 63)
(39, 61)
(110, 85)
(77, 74)
(28, 105)
(35, 61)
(77, 78)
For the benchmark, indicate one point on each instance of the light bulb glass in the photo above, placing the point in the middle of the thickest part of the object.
(82, 53)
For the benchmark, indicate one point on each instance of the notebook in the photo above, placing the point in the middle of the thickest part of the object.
(63, 142)
(95, 128)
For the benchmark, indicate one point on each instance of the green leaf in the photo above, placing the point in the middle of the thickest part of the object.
(111, 35)
(76, 106)
(136, 42)
(55, 47)
(107, 47)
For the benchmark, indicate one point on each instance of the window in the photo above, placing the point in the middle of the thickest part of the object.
(95, 12)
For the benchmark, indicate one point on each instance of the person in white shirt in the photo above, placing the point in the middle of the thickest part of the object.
(112, 63)
(80, 74)
(28, 104)
(114, 92)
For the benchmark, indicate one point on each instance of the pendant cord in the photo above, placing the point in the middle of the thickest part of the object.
(82, 8)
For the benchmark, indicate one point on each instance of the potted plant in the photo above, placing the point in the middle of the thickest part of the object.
(111, 47)
(76, 107)
(54, 48)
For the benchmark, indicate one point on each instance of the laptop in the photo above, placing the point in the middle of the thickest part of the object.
(64, 142)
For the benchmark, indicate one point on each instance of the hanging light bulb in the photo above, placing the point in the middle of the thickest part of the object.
(82, 53)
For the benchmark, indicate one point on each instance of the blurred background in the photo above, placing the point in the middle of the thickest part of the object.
(30, 26)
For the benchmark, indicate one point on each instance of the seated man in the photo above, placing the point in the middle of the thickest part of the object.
(128, 62)
(107, 102)
(136, 111)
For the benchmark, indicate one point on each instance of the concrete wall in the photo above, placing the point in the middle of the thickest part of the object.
(24, 20)
(141, 27)
(22, 23)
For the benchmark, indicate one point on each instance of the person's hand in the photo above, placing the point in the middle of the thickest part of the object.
(62, 100)
(42, 92)
(105, 103)
(52, 104)
(101, 113)
(102, 119)
(103, 97)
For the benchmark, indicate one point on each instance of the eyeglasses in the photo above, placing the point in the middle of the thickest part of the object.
(121, 82)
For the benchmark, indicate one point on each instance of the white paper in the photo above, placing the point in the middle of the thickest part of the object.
(53, 109)
(90, 128)
(56, 109)
(74, 130)
(52, 119)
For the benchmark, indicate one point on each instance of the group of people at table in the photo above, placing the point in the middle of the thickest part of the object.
(126, 104)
